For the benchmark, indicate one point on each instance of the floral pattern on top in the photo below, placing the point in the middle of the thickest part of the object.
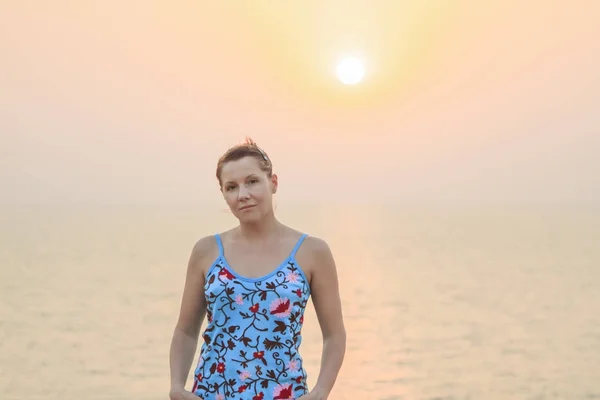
(253, 334)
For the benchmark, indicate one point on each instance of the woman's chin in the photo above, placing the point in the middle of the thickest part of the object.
(249, 217)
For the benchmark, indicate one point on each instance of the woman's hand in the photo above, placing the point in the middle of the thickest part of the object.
(182, 394)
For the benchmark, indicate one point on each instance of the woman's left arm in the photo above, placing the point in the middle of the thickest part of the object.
(327, 302)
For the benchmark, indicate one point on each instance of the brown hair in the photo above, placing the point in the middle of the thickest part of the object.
(248, 148)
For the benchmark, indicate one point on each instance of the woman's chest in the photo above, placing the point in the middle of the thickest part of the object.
(256, 265)
(278, 291)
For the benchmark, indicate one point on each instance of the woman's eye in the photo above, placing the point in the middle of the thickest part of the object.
(253, 180)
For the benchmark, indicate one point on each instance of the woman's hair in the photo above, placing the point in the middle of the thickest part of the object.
(248, 148)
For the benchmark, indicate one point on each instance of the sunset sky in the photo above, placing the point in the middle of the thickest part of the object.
(134, 101)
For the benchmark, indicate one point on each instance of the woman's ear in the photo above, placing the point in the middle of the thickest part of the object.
(274, 183)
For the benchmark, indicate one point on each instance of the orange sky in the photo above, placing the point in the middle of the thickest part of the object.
(134, 101)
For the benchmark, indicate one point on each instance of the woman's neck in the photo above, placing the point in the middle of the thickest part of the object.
(260, 230)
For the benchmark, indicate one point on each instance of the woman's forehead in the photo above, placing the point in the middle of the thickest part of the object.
(240, 169)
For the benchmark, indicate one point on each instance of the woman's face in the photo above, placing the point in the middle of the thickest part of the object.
(247, 189)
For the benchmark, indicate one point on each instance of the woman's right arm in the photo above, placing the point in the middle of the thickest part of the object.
(191, 315)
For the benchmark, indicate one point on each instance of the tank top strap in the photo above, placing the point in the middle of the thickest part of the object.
(220, 244)
(298, 244)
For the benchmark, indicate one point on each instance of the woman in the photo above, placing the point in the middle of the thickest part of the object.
(255, 302)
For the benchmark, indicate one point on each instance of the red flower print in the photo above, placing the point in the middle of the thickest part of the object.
(281, 307)
(298, 292)
(302, 319)
(226, 274)
(242, 388)
(259, 354)
(282, 392)
(221, 368)
(254, 308)
(197, 382)
(259, 396)
(299, 379)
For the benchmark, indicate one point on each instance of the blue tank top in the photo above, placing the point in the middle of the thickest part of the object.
(253, 333)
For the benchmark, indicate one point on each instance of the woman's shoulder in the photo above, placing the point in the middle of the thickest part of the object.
(205, 243)
(313, 252)
(315, 244)
(314, 256)
(205, 251)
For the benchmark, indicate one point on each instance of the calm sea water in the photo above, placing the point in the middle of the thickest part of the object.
(456, 303)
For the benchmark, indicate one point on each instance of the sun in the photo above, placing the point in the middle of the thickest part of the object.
(350, 71)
